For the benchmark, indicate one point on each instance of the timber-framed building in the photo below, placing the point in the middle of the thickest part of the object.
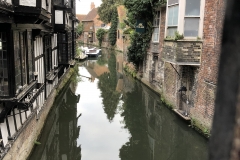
(37, 46)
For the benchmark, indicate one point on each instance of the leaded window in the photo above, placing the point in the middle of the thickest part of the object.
(48, 53)
(4, 89)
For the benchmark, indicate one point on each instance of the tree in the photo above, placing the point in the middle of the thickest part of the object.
(112, 35)
(79, 29)
(100, 35)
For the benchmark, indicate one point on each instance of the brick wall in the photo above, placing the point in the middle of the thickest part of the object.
(170, 83)
(188, 52)
(208, 72)
(121, 16)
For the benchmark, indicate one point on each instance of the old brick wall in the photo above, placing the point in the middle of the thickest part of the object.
(22, 146)
(121, 16)
(207, 79)
(170, 83)
(156, 49)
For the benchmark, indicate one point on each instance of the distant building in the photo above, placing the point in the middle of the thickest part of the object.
(91, 24)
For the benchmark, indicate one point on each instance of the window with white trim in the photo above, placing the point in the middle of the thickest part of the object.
(172, 18)
(156, 24)
(192, 18)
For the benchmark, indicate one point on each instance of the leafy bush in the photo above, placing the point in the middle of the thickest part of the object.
(100, 35)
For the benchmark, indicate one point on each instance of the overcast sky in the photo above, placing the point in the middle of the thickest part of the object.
(83, 6)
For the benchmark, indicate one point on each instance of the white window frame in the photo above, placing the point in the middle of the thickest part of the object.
(167, 12)
(156, 26)
(181, 19)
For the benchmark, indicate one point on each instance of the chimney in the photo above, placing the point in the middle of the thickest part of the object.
(92, 5)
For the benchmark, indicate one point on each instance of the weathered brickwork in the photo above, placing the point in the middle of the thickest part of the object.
(121, 16)
(170, 83)
(208, 72)
(153, 65)
(187, 52)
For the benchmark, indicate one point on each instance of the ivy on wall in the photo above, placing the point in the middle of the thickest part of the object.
(100, 35)
(112, 35)
(144, 10)
(108, 14)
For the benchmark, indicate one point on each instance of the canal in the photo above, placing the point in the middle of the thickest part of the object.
(115, 117)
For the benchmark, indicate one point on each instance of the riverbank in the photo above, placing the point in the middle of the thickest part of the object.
(21, 147)
(193, 123)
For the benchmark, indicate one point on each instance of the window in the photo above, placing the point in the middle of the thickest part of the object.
(192, 18)
(3, 65)
(23, 59)
(30, 57)
(156, 22)
(172, 20)
(48, 53)
(62, 48)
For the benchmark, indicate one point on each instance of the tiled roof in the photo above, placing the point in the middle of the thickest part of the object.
(80, 16)
(91, 15)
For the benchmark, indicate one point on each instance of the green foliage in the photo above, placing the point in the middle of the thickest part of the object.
(122, 25)
(79, 29)
(37, 143)
(112, 35)
(106, 9)
(178, 36)
(100, 35)
(139, 9)
(107, 84)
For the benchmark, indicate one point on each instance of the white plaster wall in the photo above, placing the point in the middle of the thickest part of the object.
(28, 113)
(58, 17)
(9, 1)
(44, 6)
(31, 3)
(23, 117)
(11, 124)
(18, 121)
(4, 132)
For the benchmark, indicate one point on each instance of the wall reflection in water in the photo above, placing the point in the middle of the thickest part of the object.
(59, 136)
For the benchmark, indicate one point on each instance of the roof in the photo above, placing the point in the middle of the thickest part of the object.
(91, 15)
(80, 16)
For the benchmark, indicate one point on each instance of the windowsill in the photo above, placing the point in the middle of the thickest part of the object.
(184, 40)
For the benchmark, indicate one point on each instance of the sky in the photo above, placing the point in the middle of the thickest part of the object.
(83, 6)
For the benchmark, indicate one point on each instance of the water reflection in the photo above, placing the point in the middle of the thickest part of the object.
(60, 134)
(120, 119)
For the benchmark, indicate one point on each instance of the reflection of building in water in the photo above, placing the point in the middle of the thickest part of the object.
(95, 69)
(168, 137)
(59, 137)
(119, 68)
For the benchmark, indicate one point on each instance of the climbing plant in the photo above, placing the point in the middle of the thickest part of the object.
(144, 10)
(112, 35)
(79, 29)
(100, 35)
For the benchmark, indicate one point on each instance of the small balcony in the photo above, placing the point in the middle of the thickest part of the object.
(182, 52)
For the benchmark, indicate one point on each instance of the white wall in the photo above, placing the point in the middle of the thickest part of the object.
(9, 1)
(4, 132)
(58, 17)
(30, 3)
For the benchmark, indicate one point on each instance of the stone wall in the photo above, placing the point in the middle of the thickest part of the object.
(188, 52)
(21, 147)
